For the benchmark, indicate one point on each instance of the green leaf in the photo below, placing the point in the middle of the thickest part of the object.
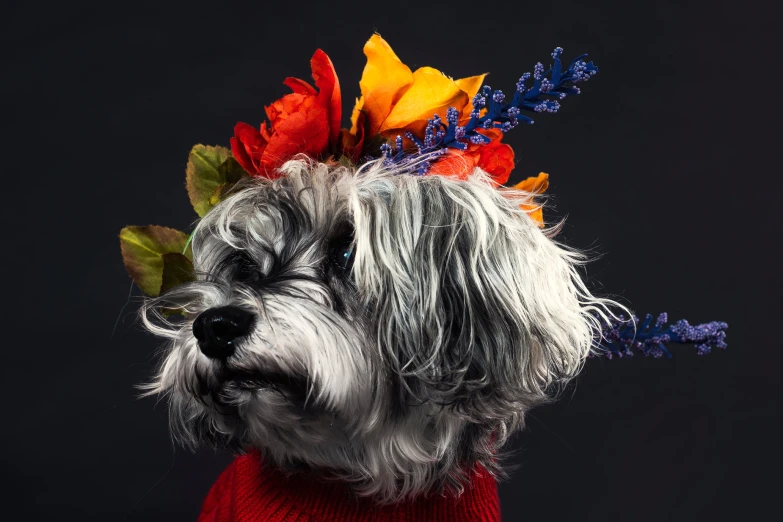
(345, 161)
(148, 256)
(220, 193)
(177, 270)
(209, 169)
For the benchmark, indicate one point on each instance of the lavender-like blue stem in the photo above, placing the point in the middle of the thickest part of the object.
(553, 82)
(622, 337)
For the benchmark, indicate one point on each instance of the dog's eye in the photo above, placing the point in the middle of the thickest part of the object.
(342, 253)
(248, 274)
(246, 271)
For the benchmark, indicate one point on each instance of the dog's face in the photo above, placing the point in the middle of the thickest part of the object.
(391, 329)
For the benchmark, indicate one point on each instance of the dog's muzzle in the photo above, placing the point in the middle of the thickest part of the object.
(218, 329)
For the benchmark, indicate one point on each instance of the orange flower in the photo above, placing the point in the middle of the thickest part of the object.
(534, 185)
(395, 100)
(495, 158)
(305, 121)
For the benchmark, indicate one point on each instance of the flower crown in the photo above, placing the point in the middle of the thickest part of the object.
(404, 114)
(423, 122)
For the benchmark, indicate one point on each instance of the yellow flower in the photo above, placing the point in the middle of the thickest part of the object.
(534, 185)
(395, 100)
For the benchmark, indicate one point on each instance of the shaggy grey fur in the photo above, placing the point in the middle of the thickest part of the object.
(401, 374)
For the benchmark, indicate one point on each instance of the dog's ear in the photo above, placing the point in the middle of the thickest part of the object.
(476, 307)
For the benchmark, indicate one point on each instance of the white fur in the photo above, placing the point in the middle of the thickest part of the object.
(460, 314)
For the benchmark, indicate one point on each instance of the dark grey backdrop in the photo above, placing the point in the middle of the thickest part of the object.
(665, 165)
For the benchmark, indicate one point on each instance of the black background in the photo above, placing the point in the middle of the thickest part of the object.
(668, 165)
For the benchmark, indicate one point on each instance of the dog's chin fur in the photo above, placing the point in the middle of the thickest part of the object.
(401, 375)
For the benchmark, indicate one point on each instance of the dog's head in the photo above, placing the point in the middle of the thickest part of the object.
(392, 329)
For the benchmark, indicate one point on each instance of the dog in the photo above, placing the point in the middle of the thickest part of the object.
(390, 328)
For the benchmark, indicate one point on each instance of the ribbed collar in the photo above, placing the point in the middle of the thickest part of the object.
(250, 492)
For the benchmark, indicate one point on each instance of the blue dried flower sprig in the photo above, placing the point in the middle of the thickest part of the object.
(440, 135)
(621, 337)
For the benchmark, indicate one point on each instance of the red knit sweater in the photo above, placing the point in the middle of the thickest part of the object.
(245, 492)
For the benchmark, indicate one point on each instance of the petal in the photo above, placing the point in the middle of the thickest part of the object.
(497, 160)
(455, 163)
(432, 93)
(535, 184)
(351, 143)
(492, 134)
(471, 86)
(357, 112)
(265, 132)
(299, 86)
(246, 143)
(384, 81)
(535, 212)
(248, 135)
(329, 95)
(241, 155)
(287, 105)
(300, 133)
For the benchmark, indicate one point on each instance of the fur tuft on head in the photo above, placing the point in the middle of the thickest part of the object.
(403, 326)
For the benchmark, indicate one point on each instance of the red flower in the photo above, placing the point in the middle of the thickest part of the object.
(306, 121)
(495, 158)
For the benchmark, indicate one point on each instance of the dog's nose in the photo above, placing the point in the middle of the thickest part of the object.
(217, 328)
